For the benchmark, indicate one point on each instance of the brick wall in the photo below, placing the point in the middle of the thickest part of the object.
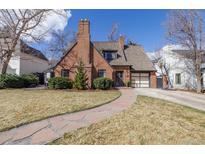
(164, 81)
(100, 63)
(83, 50)
(92, 59)
(153, 80)
(125, 70)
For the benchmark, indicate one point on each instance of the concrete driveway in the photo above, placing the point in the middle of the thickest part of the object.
(185, 98)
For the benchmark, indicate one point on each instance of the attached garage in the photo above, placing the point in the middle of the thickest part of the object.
(140, 80)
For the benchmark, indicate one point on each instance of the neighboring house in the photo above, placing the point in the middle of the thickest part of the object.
(180, 69)
(111, 59)
(26, 60)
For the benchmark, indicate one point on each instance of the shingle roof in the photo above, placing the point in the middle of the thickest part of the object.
(24, 47)
(109, 45)
(31, 51)
(112, 46)
(132, 55)
(138, 58)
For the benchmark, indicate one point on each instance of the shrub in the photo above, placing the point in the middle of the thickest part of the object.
(2, 84)
(60, 83)
(103, 83)
(81, 79)
(12, 81)
(15, 81)
(30, 80)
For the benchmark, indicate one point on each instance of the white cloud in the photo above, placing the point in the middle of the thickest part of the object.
(55, 20)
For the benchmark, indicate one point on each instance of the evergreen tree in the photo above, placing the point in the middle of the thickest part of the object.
(81, 79)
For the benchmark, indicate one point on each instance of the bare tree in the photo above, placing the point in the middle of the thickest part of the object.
(159, 62)
(16, 24)
(114, 33)
(185, 27)
(59, 43)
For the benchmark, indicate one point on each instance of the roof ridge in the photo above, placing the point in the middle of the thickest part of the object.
(104, 41)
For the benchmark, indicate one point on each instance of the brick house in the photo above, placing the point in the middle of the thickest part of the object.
(111, 59)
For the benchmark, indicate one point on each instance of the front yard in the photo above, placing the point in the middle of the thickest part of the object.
(18, 106)
(149, 121)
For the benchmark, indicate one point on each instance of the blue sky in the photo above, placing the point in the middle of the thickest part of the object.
(142, 26)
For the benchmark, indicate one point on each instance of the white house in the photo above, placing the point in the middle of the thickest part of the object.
(26, 60)
(180, 70)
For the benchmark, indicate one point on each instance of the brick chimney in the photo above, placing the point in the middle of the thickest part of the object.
(83, 38)
(121, 42)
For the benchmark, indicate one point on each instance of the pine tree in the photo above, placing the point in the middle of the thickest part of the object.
(81, 79)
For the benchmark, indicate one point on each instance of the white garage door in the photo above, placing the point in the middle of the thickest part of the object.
(140, 80)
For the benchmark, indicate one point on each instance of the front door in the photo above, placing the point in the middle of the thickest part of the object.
(119, 78)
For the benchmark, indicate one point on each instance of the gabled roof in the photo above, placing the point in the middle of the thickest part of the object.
(31, 51)
(138, 58)
(25, 48)
(108, 45)
(132, 55)
(70, 46)
(112, 46)
(189, 54)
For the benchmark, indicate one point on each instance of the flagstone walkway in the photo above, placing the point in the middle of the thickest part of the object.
(47, 130)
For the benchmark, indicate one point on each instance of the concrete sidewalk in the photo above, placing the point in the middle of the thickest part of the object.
(44, 131)
(190, 99)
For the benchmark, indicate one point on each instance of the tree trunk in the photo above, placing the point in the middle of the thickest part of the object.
(4, 68)
(198, 84)
(168, 78)
(4, 65)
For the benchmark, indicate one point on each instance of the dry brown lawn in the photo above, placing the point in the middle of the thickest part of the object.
(149, 121)
(20, 106)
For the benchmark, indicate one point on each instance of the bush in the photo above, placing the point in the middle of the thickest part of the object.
(81, 78)
(15, 81)
(30, 80)
(2, 85)
(12, 81)
(103, 83)
(60, 83)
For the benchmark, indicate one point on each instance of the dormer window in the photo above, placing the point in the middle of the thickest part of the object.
(109, 55)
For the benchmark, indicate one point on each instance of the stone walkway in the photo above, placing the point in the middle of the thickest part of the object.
(44, 131)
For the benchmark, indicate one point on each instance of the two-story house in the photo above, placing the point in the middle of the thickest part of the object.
(112, 59)
(25, 59)
(180, 69)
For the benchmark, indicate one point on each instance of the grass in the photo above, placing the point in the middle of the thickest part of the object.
(149, 121)
(18, 106)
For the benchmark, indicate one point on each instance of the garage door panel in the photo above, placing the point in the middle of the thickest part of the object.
(144, 86)
(144, 74)
(140, 80)
(144, 78)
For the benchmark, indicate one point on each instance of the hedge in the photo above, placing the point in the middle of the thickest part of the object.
(15, 81)
(103, 83)
(30, 80)
(60, 83)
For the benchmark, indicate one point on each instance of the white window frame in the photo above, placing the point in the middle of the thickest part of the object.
(104, 72)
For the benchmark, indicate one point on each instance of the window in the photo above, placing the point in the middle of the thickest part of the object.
(101, 73)
(64, 73)
(109, 55)
(178, 78)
